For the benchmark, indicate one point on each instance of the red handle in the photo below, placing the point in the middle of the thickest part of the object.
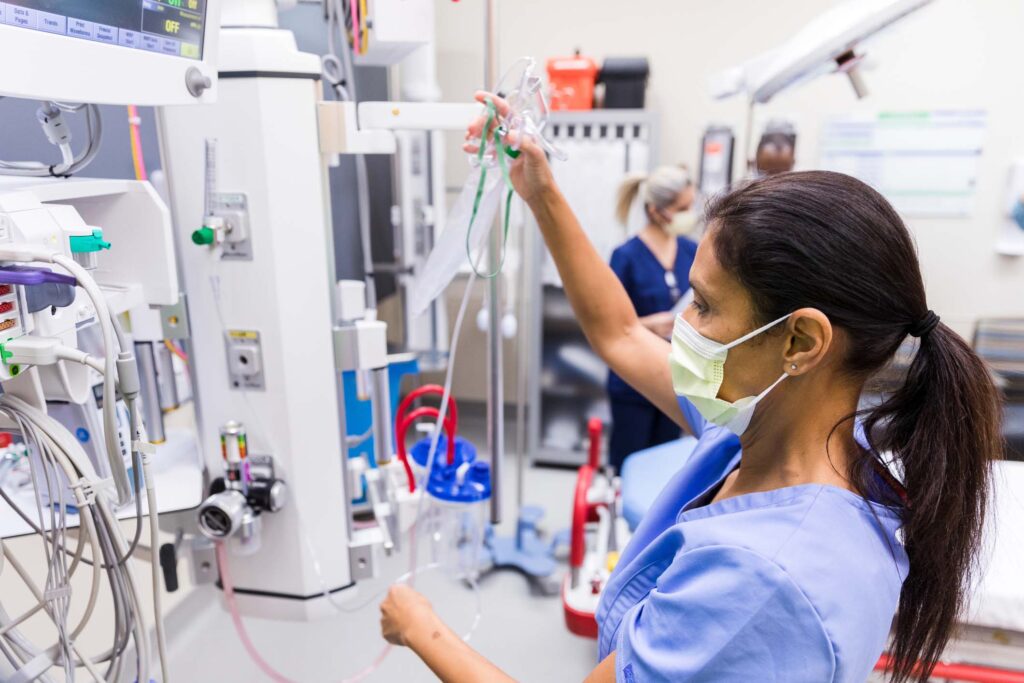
(594, 428)
(449, 429)
(453, 413)
(963, 672)
(577, 546)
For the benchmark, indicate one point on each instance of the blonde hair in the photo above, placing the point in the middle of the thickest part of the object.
(659, 189)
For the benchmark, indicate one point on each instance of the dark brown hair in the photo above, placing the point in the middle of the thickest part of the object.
(828, 241)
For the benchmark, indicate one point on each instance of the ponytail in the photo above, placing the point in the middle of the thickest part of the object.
(629, 190)
(942, 427)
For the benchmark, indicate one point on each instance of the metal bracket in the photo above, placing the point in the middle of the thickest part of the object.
(204, 561)
(233, 209)
(361, 554)
(174, 319)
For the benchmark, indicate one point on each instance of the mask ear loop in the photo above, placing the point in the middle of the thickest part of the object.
(773, 385)
(751, 335)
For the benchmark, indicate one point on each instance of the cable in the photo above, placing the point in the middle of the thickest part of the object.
(108, 329)
(58, 449)
(154, 542)
(50, 116)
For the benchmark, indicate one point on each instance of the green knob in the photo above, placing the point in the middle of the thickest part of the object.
(203, 236)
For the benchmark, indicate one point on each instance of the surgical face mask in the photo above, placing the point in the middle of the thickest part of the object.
(683, 222)
(698, 368)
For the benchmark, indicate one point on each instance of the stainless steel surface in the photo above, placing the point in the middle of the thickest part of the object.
(174, 319)
(361, 561)
(278, 497)
(380, 403)
(152, 415)
(249, 529)
(204, 561)
(495, 386)
(220, 516)
(166, 383)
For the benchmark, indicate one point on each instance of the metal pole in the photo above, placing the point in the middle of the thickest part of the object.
(495, 389)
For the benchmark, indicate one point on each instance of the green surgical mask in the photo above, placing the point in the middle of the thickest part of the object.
(698, 368)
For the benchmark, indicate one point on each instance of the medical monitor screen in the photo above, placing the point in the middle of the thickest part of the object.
(170, 27)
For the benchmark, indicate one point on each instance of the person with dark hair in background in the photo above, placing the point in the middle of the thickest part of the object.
(654, 268)
(801, 525)
(776, 150)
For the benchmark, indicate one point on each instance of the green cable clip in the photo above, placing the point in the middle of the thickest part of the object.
(5, 355)
(81, 244)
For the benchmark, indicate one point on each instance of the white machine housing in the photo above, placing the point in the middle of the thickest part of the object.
(139, 272)
(265, 124)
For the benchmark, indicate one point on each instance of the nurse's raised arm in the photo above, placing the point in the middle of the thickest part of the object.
(602, 306)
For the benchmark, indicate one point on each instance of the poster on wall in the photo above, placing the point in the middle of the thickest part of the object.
(925, 162)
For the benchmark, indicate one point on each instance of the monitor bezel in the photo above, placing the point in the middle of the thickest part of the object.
(46, 66)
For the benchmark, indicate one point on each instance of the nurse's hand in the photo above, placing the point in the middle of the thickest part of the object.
(530, 173)
(403, 612)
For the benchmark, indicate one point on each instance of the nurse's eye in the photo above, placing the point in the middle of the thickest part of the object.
(699, 306)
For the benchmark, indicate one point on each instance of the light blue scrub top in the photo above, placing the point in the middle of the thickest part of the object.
(797, 584)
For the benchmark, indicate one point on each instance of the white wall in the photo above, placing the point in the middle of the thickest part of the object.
(956, 54)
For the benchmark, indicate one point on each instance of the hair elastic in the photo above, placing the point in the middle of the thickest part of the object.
(925, 325)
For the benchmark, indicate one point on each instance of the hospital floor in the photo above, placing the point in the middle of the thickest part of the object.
(521, 631)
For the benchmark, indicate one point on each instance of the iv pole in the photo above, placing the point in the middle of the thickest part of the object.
(495, 384)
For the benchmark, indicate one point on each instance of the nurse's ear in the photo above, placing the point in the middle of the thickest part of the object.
(809, 336)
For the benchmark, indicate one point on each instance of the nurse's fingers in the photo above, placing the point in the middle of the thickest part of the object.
(500, 104)
(476, 126)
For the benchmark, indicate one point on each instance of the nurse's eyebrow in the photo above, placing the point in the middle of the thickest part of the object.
(699, 291)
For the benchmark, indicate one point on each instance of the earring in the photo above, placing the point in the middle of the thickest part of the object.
(793, 366)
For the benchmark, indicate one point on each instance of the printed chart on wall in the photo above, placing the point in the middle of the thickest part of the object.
(924, 162)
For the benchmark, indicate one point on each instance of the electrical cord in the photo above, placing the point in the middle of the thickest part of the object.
(50, 116)
(62, 466)
(54, 444)
(154, 540)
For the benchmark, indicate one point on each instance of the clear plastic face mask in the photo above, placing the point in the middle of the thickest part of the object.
(472, 216)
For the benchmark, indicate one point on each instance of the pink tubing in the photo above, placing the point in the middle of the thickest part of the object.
(356, 37)
(243, 635)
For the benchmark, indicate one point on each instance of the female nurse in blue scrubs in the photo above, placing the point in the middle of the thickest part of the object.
(801, 536)
(654, 269)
